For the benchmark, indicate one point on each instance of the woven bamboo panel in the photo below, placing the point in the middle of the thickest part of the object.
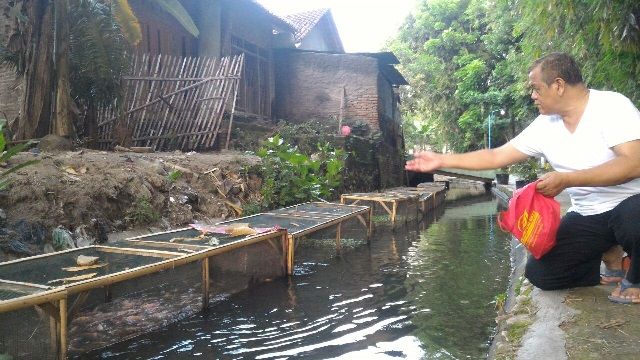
(172, 103)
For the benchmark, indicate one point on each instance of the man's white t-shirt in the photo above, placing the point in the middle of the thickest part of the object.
(609, 119)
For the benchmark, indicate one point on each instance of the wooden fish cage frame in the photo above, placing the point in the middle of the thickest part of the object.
(314, 211)
(61, 302)
(426, 198)
(54, 300)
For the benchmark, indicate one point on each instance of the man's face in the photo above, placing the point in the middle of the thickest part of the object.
(544, 96)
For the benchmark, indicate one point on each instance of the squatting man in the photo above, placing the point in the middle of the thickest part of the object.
(591, 138)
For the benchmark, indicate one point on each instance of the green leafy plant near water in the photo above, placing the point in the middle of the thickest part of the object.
(7, 153)
(290, 177)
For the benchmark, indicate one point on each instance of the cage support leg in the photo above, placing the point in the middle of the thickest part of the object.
(290, 254)
(205, 283)
(63, 329)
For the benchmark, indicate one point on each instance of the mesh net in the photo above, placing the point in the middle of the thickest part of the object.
(10, 291)
(331, 241)
(25, 334)
(52, 269)
(106, 315)
(320, 209)
(236, 270)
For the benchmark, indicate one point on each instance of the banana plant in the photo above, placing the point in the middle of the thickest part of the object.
(8, 153)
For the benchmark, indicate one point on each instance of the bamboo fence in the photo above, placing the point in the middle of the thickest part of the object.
(173, 103)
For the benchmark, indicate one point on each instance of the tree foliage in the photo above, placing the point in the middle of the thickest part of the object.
(467, 61)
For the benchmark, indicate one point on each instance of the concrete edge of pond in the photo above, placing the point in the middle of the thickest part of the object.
(528, 320)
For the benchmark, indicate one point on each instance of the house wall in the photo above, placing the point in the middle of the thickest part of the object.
(254, 31)
(248, 24)
(209, 22)
(393, 139)
(309, 86)
(161, 32)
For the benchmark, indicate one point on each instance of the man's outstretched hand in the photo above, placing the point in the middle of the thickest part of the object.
(424, 161)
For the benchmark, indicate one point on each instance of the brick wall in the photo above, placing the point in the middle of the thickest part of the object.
(310, 86)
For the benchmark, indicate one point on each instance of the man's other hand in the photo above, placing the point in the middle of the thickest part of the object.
(424, 161)
(552, 184)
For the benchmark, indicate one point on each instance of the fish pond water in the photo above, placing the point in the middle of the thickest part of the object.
(423, 291)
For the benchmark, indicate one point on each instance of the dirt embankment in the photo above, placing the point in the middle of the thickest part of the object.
(92, 193)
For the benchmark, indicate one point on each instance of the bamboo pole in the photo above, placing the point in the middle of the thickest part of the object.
(22, 286)
(370, 230)
(393, 216)
(63, 328)
(205, 283)
(53, 334)
(343, 95)
(140, 252)
(32, 300)
(290, 254)
(234, 69)
(175, 246)
(236, 84)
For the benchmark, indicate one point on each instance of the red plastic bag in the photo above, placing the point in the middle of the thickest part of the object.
(533, 219)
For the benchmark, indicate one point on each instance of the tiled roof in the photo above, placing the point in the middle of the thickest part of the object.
(305, 21)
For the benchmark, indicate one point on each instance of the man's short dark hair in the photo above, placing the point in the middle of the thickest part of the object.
(558, 65)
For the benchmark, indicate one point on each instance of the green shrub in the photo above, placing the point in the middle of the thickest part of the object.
(290, 177)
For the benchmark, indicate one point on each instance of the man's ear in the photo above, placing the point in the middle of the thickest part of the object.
(559, 85)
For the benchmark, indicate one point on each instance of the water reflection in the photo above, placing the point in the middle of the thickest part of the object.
(425, 291)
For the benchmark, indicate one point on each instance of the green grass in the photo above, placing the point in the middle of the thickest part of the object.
(516, 331)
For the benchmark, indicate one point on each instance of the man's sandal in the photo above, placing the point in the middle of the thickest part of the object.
(624, 285)
(613, 277)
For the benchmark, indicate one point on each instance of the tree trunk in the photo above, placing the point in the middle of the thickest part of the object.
(35, 117)
(62, 124)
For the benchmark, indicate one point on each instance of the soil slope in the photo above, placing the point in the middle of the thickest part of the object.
(92, 193)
